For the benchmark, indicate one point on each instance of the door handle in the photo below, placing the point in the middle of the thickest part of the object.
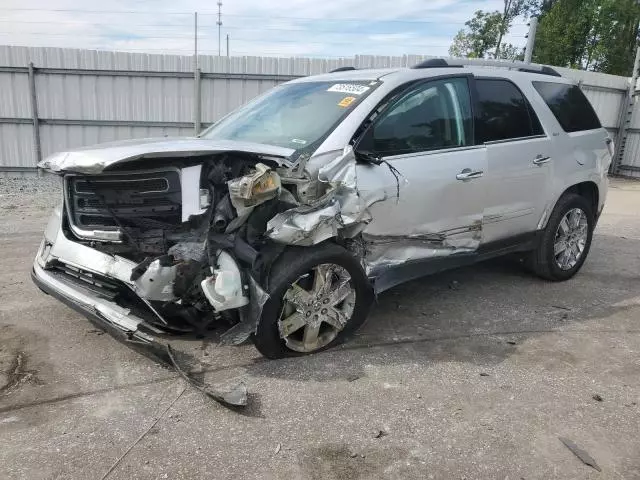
(540, 160)
(467, 174)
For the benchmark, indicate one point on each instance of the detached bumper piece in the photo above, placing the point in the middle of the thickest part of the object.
(127, 328)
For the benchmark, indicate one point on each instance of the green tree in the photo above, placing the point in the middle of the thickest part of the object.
(599, 35)
(513, 9)
(484, 33)
(511, 52)
(479, 37)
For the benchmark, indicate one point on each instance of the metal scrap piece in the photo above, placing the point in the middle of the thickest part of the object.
(581, 454)
(236, 396)
(341, 208)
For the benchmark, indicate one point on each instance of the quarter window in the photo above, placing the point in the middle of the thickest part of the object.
(504, 113)
(569, 105)
(430, 116)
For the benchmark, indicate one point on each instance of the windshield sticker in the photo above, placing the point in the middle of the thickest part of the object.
(299, 141)
(348, 88)
(346, 101)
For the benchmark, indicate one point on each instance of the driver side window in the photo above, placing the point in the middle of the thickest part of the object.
(433, 115)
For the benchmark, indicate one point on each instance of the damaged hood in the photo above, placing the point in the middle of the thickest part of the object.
(95, 159)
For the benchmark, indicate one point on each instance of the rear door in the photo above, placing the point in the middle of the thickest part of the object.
(426, 135)
(584, 149)
(519, 154)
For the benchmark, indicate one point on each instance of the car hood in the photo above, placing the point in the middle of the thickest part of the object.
(95, 159)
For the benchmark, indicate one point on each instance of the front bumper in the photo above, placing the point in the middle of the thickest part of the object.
(106, 314)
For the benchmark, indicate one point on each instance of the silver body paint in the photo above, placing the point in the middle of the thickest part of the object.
(427, 213)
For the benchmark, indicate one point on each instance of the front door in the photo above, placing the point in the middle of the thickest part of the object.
(435, 208)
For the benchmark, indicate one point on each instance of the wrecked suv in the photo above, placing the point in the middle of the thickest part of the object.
(282, 221)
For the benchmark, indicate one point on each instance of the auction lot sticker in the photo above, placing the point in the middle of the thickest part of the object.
(351, 88)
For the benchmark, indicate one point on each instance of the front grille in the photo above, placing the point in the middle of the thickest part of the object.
(142, 185)
(137, 200)
(96, 284)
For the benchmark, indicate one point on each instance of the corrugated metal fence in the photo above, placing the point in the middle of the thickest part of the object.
(53, 99)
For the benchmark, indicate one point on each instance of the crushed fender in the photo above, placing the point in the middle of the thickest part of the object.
(341, 211)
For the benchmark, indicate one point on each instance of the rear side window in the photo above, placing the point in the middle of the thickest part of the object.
(569, 105)
(503, 112)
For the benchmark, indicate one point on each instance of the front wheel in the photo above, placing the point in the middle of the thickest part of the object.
(318, 295)
(566, 241)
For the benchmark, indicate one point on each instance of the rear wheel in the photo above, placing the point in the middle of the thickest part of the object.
(318, 295)
(566, 241)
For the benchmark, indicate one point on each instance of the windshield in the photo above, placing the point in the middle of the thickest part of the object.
(294, 115)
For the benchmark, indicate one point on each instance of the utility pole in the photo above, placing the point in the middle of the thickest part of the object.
(227, 45)
(195, 41)
(531, 39)
(219, 23)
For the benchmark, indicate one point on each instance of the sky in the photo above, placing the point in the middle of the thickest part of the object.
(306, 28)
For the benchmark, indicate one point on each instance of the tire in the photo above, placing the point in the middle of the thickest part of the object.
(542, 260)
(298, 265)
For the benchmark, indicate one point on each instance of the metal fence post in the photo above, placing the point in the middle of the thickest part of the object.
(625, 118)
(197, 104)
(37, 148)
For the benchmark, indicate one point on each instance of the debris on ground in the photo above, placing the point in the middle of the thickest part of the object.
(597, 397)
(278, 448)
(234, 396)
(353, 454)
(581, 454)
(484, 374)
(511, 342)
(352, 378)
(379, 434)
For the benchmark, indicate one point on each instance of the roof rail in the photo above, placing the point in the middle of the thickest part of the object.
(342, 69)
(462, 62)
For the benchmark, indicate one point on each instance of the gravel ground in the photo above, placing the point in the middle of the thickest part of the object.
(29, 191)
(474, 373)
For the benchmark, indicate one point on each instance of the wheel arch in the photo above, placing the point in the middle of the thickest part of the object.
(587, 189)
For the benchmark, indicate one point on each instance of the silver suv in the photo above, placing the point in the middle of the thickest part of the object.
(282, 221)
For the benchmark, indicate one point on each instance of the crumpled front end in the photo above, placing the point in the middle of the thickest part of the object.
(183, 245)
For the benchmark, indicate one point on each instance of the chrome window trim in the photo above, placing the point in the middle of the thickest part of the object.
(516, 139)
(433, 152)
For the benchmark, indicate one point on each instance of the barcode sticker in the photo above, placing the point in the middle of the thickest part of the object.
(348, 88)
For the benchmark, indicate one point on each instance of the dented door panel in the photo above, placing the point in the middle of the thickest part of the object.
(435, 214)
